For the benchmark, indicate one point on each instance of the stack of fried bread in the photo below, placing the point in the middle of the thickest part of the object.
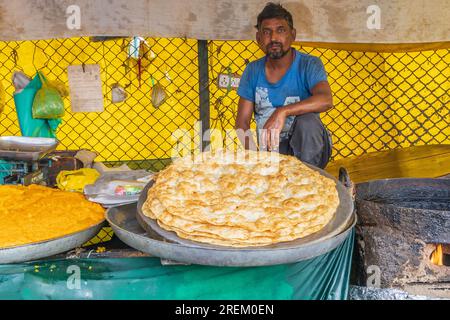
(241, 199)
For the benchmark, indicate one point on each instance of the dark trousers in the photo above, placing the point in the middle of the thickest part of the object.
(308, 140)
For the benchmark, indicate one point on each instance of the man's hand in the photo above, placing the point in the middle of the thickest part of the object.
(270, 135)
(320, 101)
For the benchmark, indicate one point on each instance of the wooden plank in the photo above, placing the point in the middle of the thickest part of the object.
(418, 162)
(377, 47)
(343, 21)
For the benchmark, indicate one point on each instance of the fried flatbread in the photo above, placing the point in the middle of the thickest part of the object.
(252, 198)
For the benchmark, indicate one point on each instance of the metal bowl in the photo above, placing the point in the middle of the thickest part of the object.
(47, 248)
(166, 244)
(125, 225)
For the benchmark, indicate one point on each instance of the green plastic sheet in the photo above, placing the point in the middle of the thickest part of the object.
(323, 277)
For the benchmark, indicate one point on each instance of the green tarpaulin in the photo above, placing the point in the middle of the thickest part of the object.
(323, 277)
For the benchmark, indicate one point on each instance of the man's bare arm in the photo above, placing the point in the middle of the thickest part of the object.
(243, 119)
(320, 101)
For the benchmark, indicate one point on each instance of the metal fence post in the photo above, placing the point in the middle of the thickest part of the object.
(204, 93)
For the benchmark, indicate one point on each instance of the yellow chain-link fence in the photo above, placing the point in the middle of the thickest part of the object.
(131, 130)
(382, 100)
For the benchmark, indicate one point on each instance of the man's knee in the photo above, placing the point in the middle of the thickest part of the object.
(309, 141)
(308, 123)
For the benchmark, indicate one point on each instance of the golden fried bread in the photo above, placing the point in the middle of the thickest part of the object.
(247, 199)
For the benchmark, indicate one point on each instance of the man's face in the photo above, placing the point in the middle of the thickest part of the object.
(275, 37)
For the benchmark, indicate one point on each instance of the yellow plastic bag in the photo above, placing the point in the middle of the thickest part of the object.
(75, 180)
(2, 98)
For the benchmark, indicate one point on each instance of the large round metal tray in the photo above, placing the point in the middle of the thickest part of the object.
(338, 223)
(123, 221)
(48, 248)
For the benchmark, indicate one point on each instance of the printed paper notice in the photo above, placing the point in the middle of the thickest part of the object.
(85, 88)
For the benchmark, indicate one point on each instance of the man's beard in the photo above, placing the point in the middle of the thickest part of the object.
(276, 54)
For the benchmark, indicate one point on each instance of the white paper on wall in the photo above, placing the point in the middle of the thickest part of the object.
(85, 88)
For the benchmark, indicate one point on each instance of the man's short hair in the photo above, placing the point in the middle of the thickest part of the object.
(274, 10)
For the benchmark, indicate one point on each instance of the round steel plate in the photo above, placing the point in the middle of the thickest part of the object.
(48, 248)
(125, 225)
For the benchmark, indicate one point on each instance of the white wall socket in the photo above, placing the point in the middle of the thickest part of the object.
(223, 80)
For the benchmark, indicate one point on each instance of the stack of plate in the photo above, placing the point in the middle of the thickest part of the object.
(104, 191)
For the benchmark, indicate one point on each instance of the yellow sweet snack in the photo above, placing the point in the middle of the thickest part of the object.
(36, 213)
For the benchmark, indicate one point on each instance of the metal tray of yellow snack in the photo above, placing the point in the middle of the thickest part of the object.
(26, 148)
(47, 248)
(123, 220)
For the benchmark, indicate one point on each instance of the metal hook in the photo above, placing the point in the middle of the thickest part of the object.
(15, 56)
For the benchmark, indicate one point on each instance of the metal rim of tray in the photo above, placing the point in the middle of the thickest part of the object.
(127, 229)
(339, 222)
(26, 148)
(47, 248)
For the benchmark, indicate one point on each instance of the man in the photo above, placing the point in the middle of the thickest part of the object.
(286, 90)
